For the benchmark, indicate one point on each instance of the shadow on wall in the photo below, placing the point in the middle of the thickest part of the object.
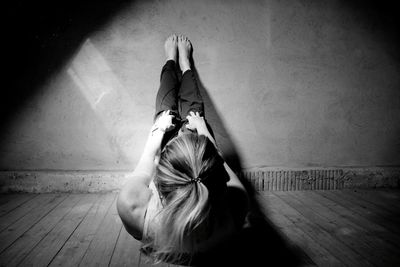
(219, 131)
(382, 18)
(39, 37)
(260, 243)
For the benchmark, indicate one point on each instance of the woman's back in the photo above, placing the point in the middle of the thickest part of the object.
(209, 237)
(195, 202)
(190, 183)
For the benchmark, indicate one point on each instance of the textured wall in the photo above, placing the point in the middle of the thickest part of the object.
(286, 83)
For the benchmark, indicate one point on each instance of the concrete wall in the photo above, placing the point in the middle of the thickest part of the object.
(286, 83)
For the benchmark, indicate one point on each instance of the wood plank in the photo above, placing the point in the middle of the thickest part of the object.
(75, 248)
(336, 196)
(11, 201)
(126, 251)
(48, 247)
(392, 195)
(359, 245)
(370, 196)
(321, 218)
(297, 237)
(39, 207)
(320, 238)
(336, 247)
(23, 245)
(383, 194)
(103, 243)
(387, 213)
(373, 248)
(373, 229)
(6, 198)
(25, 208)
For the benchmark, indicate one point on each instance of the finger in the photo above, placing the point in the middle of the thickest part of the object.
(197, 113)
(191, 113)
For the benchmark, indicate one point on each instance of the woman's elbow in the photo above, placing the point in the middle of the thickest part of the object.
(124, 205)
(130, 213)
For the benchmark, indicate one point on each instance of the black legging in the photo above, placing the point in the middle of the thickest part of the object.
(180, 97)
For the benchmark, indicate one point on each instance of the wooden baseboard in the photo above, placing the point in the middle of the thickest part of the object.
(322, 179)
(261, 179)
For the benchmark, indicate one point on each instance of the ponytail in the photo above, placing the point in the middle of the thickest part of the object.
(183, 182)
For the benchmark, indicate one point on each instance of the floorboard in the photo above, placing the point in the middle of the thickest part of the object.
(372, 248)
(25, 243)
(331, 228)
(372, 208)
(126, 251)
(388, 194)
(16, 214)
(360, 208)
(339, 250)
(30, 214)
(48, 247)
(292, 233)
(13, 201)
(371, 228)
(373, 201)
(76, 246)
(103, 244)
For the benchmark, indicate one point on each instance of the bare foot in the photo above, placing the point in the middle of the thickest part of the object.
(170, 46)
(185, 50)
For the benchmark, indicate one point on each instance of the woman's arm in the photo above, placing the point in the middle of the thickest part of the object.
(146, 164)
(134, 196)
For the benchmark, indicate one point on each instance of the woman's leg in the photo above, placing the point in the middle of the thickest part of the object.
(189, 94)
(167, 96)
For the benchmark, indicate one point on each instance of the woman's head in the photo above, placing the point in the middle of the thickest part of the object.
(190, 178)
(188, 162)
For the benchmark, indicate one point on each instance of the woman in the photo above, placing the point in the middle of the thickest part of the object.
(179, 199)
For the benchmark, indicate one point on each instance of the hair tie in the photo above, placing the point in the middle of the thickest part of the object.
(195, 180)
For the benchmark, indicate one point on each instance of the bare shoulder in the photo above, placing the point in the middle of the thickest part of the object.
(132, 204)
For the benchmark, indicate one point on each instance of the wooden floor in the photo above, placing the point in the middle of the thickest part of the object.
(331, 228)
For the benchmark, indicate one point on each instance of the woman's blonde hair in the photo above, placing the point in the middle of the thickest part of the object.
(189, 177)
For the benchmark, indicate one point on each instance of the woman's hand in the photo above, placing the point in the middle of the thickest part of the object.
(196, 122)
(164, 122)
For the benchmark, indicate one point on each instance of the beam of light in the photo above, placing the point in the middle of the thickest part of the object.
(110, 101)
